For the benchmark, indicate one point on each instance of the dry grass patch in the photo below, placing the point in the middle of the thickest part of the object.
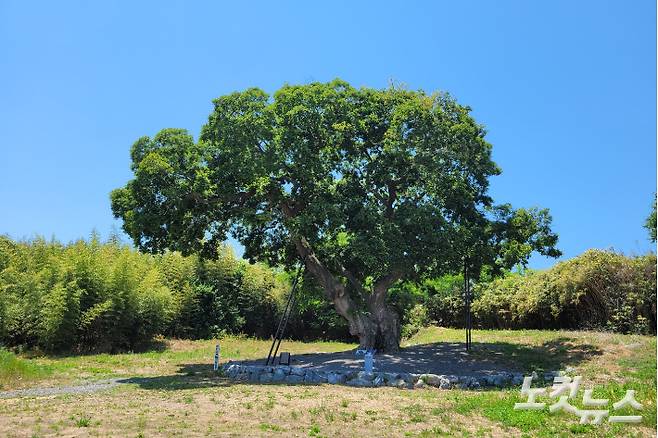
(240, 410)
(173, 393)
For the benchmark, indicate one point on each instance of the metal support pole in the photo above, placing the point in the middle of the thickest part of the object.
(467, 307)
(470, 314)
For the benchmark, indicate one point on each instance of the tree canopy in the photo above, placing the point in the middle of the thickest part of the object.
(367, 186)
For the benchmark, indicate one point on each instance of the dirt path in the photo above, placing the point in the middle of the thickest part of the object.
(69, 389)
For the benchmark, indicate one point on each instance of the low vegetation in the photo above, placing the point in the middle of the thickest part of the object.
(15, 371)
(93, 296)
(89, 296)
(598, 290)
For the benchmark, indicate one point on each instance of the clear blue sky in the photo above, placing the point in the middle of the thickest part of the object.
(566, 90)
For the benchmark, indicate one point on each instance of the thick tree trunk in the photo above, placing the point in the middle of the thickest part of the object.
(377, 326)
(381, 332)
(387, 322)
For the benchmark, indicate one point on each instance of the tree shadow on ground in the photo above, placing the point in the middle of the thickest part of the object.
(437, 358)
(188, 376)
(452, 358)
(552, 355)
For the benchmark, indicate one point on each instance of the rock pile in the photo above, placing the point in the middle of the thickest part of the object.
(299, 375)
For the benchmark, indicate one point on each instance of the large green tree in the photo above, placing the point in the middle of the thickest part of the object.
(367, 187)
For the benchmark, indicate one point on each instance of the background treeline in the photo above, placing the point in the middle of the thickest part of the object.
(108, 297)
(600, 290)
(93, 296)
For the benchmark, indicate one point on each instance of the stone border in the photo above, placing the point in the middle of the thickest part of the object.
(298, 375)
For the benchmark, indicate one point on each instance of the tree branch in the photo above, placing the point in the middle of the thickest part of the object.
(333, 288)
(392, 196)
(381, 286)
(356, 284)
(239, 199)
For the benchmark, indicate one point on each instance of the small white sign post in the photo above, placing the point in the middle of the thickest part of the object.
(216, 365)
(368, 362)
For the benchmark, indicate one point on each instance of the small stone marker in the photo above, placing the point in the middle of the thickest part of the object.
(368, 363)
(284, 358)
(216, 364)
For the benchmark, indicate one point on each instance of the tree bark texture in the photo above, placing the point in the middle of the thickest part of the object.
(377, 325)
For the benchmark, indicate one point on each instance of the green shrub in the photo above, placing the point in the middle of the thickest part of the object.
(445, 300)
(220, 296)
(60, 316)
(82, 296)
(108, 297)
(258, 287)
(414, 320)
(98, 296)
(155, 306)
(179, 275)
(597, 290)
(313, 317)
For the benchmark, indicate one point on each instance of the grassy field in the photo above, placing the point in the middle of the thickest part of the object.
(174, 393)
